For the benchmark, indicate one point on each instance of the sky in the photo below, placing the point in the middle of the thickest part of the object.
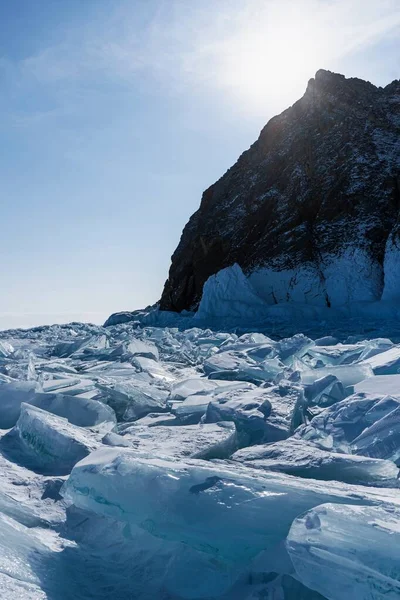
(115, 115)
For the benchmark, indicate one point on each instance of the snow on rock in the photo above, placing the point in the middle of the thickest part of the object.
(348, 551)
(312, 237)
(299, 458)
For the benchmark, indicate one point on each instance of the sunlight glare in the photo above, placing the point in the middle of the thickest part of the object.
(272, 59)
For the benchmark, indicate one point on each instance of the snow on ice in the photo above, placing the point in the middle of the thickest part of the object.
(171, 456)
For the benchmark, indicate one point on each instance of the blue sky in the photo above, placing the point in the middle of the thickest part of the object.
(115, 115)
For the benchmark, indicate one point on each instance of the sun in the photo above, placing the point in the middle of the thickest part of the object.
(269, 62)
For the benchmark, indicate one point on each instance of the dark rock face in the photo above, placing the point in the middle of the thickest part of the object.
(323, 176)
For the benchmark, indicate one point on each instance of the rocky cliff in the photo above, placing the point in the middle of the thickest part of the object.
(311, 211)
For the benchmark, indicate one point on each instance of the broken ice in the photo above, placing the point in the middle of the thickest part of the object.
(200, 464)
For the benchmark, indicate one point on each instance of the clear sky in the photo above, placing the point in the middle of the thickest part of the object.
(116, 114)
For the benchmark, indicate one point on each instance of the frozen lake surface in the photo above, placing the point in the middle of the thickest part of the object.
(177, 457)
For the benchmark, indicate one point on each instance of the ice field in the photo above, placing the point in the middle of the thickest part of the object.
(178, 461)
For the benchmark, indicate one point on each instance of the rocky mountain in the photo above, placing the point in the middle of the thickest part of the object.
(310, 211)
